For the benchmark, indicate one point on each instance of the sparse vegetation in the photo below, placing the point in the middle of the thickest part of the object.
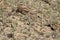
(29, 20)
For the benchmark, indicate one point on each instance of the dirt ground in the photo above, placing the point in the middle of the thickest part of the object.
(29, 19)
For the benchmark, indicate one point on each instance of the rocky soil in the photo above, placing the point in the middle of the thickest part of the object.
(29, 19)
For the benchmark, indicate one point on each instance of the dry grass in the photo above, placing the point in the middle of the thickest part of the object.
(29, 20)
